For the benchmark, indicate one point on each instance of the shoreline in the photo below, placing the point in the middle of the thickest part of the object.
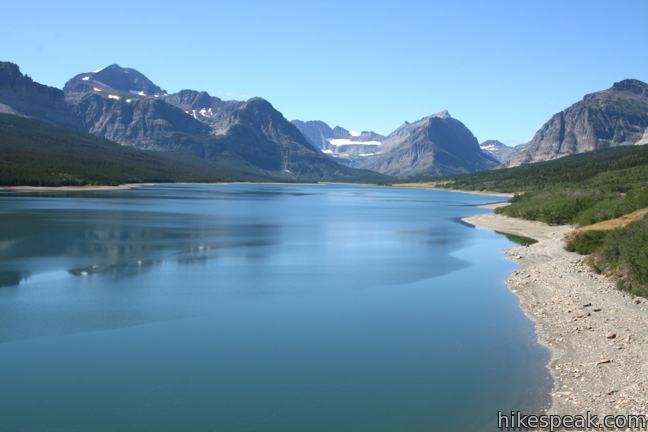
(30, 189)
(125, 186)
(432, 186)
(597, 335)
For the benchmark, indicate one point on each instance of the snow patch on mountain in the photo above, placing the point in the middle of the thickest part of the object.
(489, 147)
(346, 141)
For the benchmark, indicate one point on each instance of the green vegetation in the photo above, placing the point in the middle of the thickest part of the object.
(587, 242)
(579, 190)
(583, 190)
(622, 253)
(38, 154)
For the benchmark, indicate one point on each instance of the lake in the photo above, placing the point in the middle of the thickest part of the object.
(259, 307)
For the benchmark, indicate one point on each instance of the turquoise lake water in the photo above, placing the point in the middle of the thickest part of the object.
(259, 308)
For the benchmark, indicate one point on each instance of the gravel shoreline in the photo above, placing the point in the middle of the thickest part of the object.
(597, 335)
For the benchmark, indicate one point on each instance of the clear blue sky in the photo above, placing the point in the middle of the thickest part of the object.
(500, 67)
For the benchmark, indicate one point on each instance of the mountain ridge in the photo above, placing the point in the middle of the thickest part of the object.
(341, 144)
(433, 146)
(608, 118)
(21, 95)
(499, 150)
(124, 106)
(35, 153)
(139, 113)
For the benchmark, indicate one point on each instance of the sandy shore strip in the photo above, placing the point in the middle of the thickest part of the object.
(438, 186)
(597, 335)
(72, 188)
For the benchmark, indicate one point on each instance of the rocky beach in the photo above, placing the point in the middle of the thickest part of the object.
(597, 334)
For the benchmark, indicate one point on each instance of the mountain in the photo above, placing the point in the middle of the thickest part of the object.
(316, 132)
(320, 134)
(261, 135)
(609, 118)
(117, 78)
(344, 146)
(124, 106)
(40, 154)
(498, 150)
(145, 123)
(257, 132)
(434, 146)
(20, 95)
(134, 113)
(205, 108)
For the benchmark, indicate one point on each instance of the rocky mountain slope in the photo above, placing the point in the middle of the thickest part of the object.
(115, 78)
(316, 132)
(434, 146)
(345, 146)
(498, 150)
(20, 95)
(124, 106)
(240, 139)
(40, 154)
(609, 118)
(261, 135)
(145, 123)
(134, 112)
(210, 110)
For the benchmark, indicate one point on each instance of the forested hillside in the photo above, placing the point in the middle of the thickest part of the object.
(581, 189)
(38, 154)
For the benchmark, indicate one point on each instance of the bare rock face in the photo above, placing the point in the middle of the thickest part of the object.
(145, 123)
(126, 79)
(499, 150)
(344, 146)
(320, 135)
(213, 111)
(609, 118)
(433, 146)
(124, 106)
(644, 138)
(316, 132)
(20, 95)
(263, 137)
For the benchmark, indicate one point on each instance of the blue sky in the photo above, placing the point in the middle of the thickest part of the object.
(503, 68)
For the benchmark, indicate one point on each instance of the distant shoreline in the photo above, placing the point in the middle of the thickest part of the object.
(72, 188)
(436, 186)
(597, 335)
(125, 186)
